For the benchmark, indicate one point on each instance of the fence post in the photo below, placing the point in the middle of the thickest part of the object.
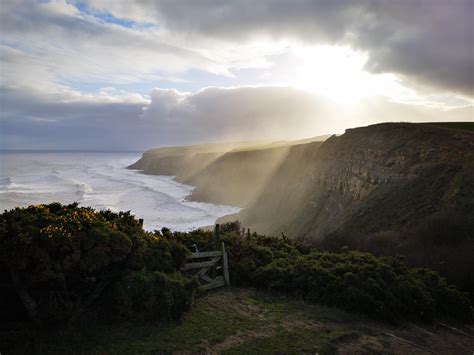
(216, 235)
(225, 265)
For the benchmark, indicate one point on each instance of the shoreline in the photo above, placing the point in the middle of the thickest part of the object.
(189, 198)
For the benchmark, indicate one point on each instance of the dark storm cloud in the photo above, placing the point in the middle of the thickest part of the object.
(430, 42)
(33, 120)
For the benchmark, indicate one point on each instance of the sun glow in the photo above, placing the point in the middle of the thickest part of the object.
(338, 73)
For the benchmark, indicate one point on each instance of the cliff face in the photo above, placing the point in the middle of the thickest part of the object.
(182, 162)
(378, 178)
(285, 193)
(235, 178)
(222, 174)
(390, 189)
(381, 177)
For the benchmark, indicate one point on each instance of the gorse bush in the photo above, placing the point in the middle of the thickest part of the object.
(63, 261)
(381, 287)
(60, 258)
(144, 295)
(442, 241)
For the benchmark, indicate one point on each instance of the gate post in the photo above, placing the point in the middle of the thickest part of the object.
(225, 265)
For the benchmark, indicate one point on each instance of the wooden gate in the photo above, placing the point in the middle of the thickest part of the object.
(206, 261)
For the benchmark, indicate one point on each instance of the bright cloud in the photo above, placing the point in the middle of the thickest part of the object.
(284, 69)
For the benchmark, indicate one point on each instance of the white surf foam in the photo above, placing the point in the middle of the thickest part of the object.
(101, 180)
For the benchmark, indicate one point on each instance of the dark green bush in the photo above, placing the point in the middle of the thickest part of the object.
(381, 287)
(59, 259)
(144, 295)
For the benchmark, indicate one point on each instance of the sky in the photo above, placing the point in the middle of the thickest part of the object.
(133, 75)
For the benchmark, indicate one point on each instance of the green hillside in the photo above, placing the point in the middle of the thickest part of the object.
(462, 126)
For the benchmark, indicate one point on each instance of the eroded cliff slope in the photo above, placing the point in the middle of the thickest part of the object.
(370, 179)
(391, 189)
(385, 177)
(232, 174)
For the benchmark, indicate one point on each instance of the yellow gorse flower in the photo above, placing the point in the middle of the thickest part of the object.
(70, 221)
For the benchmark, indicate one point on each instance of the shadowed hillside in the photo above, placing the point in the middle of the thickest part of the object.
(393, 188)
(235, 178)
(388, 189)
(230, 174)
(463, 126)
(370, 179)
(375, 178)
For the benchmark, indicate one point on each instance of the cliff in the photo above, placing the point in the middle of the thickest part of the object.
(231, 174)
(370, 179)
(382, 177)
(390, 189)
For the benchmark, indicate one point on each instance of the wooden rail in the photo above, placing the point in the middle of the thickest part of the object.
(205, 266)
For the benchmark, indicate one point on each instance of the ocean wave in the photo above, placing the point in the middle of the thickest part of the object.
(103, 182)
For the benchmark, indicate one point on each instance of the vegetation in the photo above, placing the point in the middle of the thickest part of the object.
(65, 261)
(464, 126)
(59, 259)
(230, 321)
(240, 321)
(381, 287)
(442, 241)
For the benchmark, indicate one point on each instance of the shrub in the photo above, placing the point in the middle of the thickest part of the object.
(381, 287)
(153, 295)
(60, 258)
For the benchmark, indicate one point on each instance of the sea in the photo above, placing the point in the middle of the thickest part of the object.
(101, 180)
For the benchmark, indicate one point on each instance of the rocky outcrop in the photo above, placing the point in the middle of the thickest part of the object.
(369, 179)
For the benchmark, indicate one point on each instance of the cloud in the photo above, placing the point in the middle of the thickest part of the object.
(241, 113)
(34, 120)
(52, 42)
(120, 121)
(429, 42)
(255, 113)
(62, 64)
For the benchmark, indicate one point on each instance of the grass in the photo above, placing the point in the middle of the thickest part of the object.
(228, 321)
(463, 126)
(296, 341)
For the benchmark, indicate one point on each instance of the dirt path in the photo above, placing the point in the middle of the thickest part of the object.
(245, 321)
(361, 336)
